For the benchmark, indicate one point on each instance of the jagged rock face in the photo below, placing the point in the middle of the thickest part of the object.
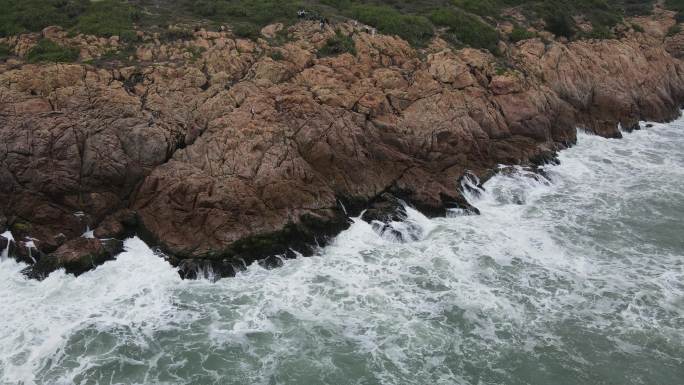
(234, 155)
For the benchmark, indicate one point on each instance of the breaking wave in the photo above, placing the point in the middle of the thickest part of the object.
(572, 276)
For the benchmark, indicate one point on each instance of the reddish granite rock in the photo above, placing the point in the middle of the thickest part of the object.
(226, 154)
(76, 256)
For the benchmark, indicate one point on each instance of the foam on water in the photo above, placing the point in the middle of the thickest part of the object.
(572, 278)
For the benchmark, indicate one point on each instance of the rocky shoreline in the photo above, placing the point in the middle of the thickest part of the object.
(223, 151)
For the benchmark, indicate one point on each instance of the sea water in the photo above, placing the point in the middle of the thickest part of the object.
(574, 276)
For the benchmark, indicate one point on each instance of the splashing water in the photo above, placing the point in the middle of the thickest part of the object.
(576, 278)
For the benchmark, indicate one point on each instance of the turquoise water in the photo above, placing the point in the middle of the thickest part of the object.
(574, 279)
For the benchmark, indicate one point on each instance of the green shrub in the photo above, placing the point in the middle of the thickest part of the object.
(196, 52)
(48, 51)
(173, 34)
(122, 54)
(561, 25)
(409, 19)
(480, 7)
(675, 29)
(466, 29)
(5, 51)
(276, 55)
(675, 5)
(258, 12)
(102, 17)
(338, 45)
(109, 18)
(417, 30)
(637, 28)
(638, 7)
(520, 33)
(601, 32)
(246, 30)
(18, 16)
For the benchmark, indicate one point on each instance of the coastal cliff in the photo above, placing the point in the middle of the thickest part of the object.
(222, 151)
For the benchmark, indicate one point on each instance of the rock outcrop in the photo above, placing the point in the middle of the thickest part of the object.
(221, 153)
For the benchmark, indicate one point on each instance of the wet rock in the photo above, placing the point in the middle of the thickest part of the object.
(544, 158)
(25, 251)
(386, 208)
(76, 257)
(6, 244)
(632, 126)
(206, 269)
(117, 225)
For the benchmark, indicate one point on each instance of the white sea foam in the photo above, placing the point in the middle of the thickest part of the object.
(575, 278)
(5, 252)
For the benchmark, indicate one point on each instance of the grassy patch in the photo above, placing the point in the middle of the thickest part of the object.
(48, 51)
(637, 7)
(677, 6)
(468, 22)
(5, 51)
(276, 55)
(466, 29)
(675, 29)
(257, 12)
(338, 45)
(415, 29)
(123, 55)
(33, 15)
(519, 34)
(246, 30)
(109, 18)
(196, 53)
(601, 32)
(481, 7)
(173, 34)
(103, 17)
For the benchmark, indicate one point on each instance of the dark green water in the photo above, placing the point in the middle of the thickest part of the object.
(578, 279)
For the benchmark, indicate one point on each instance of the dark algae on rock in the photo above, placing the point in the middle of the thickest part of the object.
(222, 150)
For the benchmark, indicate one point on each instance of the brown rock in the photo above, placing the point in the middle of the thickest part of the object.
(233, 155)
(447, 68)
(506, 84)
(76, 257)
(271, 30)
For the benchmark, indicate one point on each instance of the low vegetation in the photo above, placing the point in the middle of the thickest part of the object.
(103, 17)
(466, 29)
(415, 29)
(677, 6)
(337, 45)
(109, 18)
(48, 51)
(460, 22)
(519, 33)
(4, 51)
(675, 29)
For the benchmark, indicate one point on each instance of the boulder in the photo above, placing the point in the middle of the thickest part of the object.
(76, 257)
